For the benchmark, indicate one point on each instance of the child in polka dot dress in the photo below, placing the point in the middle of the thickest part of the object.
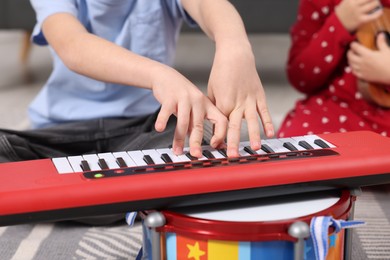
(325, 61)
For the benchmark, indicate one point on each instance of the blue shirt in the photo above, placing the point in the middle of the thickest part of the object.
(147, 27)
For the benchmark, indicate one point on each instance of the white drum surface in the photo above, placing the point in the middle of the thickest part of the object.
(267, 209)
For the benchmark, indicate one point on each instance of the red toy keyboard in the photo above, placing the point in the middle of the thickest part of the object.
(107, 183)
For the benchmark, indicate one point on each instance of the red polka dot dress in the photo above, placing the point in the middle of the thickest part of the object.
(317, 66)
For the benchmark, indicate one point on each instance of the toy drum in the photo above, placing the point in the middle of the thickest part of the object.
(246, 230)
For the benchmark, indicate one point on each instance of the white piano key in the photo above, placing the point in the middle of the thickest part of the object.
(293, 142)
(135, 158)
(138, 157)
(217, 154)
(310, 139)
(170, 153)
(156, 157)
(110, 160)
(310, 142)
(125, 156)
(75, 162)
(183, 158)
(62, 165)
(213, 151)
(261, 151)
(247, 143)
(241, 150)
(276, 145)
(328, 143)
(93, 161)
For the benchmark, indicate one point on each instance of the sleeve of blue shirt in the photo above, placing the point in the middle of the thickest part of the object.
(45, 8)
(187, 18)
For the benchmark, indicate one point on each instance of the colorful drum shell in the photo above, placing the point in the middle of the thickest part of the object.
(187, 237)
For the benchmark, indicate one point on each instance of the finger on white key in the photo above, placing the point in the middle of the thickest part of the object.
(170, 153)
(211, 153)
(183, 157)
(186, 151)
(241, 149)
(246, 147)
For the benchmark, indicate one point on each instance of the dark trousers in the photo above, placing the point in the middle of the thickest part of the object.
(77, 138)
(84, 137)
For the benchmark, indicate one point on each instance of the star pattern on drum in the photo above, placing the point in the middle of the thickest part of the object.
(194, 251)
(332, 240)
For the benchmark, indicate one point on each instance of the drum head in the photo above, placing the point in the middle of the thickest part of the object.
(266, 209)
(256, 219)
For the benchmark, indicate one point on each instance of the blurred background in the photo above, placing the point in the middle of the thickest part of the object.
(24, 67)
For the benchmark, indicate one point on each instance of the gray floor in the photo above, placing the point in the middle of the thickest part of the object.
(19, 83)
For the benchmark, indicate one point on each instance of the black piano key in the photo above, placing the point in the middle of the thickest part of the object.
(266, 148)
(321, 143)
(121, 162)
(148, 159)
(249, 150)
(103, 164)
(305, 145)
(290, 146)
(208, 154)
(165, 157)
(192, 158)
(85, 166)
(223, 152)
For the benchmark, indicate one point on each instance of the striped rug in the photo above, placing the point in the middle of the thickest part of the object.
(372, 241)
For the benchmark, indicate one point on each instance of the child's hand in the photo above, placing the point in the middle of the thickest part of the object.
(371, 65)
(354, 13)
(180, 97)
(235, 87)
